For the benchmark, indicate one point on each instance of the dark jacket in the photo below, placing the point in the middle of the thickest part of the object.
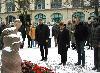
(81, 32)
(63, 40)
(55, 31)
(97, 36)
(23, 31)
(42, 34)
(0, 31)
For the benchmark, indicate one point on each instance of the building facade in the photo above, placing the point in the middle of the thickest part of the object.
(48, 10)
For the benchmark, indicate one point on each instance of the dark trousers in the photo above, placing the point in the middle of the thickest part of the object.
(42, 49)
(80, 51)
(64, 57)
(49, 43)
(96, 57)
(29, 41)
(55, 39)
(1, 42)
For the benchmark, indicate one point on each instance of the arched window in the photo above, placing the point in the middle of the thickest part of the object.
(81, 15)
(40, 15)
(10, 5)
(92, 14)
(56, 17)
(0, 19)
(39, 4)
(10, 18)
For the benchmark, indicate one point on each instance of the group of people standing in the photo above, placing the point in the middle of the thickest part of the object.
(80, 32)
(62, 39)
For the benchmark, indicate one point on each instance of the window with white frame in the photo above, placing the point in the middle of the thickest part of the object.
(10, 6)
(39, 4)
(77, 3)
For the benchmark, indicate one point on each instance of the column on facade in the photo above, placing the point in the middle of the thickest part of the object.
(3, 7)
(16, 5)
(32, 5)
(47, 4)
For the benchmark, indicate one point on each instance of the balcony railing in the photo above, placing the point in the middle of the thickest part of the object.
(56, 5)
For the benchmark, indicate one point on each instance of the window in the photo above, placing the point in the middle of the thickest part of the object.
(92, 14)
(56, 3)
(0, 19)
(40, 15)
(24, 3)
(77, 3)
(81, 15)
(87, 3)
(10, 18)
(92, 3)
(39, 4)
(56, 17)
(10, 5)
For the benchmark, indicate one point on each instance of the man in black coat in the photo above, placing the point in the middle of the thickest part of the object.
(96, 45)
(63, 43)
(42, 37)
(81, 34)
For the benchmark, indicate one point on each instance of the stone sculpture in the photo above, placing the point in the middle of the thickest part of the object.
(10, 58)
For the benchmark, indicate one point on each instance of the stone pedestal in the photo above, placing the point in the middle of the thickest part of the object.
(10, 58)
(11, 61)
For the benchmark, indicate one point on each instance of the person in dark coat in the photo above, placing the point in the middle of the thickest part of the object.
(63, 43)
(2, 27)
(81, 34)
(90, 36)
(42, 37)
(96, 43)
(55, 29)
(97, 48)
(22, 29)
(0, 38)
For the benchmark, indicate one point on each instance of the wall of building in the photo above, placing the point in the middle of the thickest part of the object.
(66, 12)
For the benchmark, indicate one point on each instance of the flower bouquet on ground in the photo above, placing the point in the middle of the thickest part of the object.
(29, 67)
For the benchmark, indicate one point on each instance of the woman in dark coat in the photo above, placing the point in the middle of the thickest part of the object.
(63, 43)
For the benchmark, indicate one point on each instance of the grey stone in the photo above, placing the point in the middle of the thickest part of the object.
(10, 58)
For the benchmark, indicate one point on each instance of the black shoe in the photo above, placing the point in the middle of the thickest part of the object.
(45, 59)
(98, 70)
(77, 64)
(41, 59)
(28, 46)
(83, 65)
(64, 64)
(94, 68)
(60, 63)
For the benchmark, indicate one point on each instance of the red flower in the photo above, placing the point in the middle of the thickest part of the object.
(34, 67)
(42, 67)
(39, 71)
(46, 69)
